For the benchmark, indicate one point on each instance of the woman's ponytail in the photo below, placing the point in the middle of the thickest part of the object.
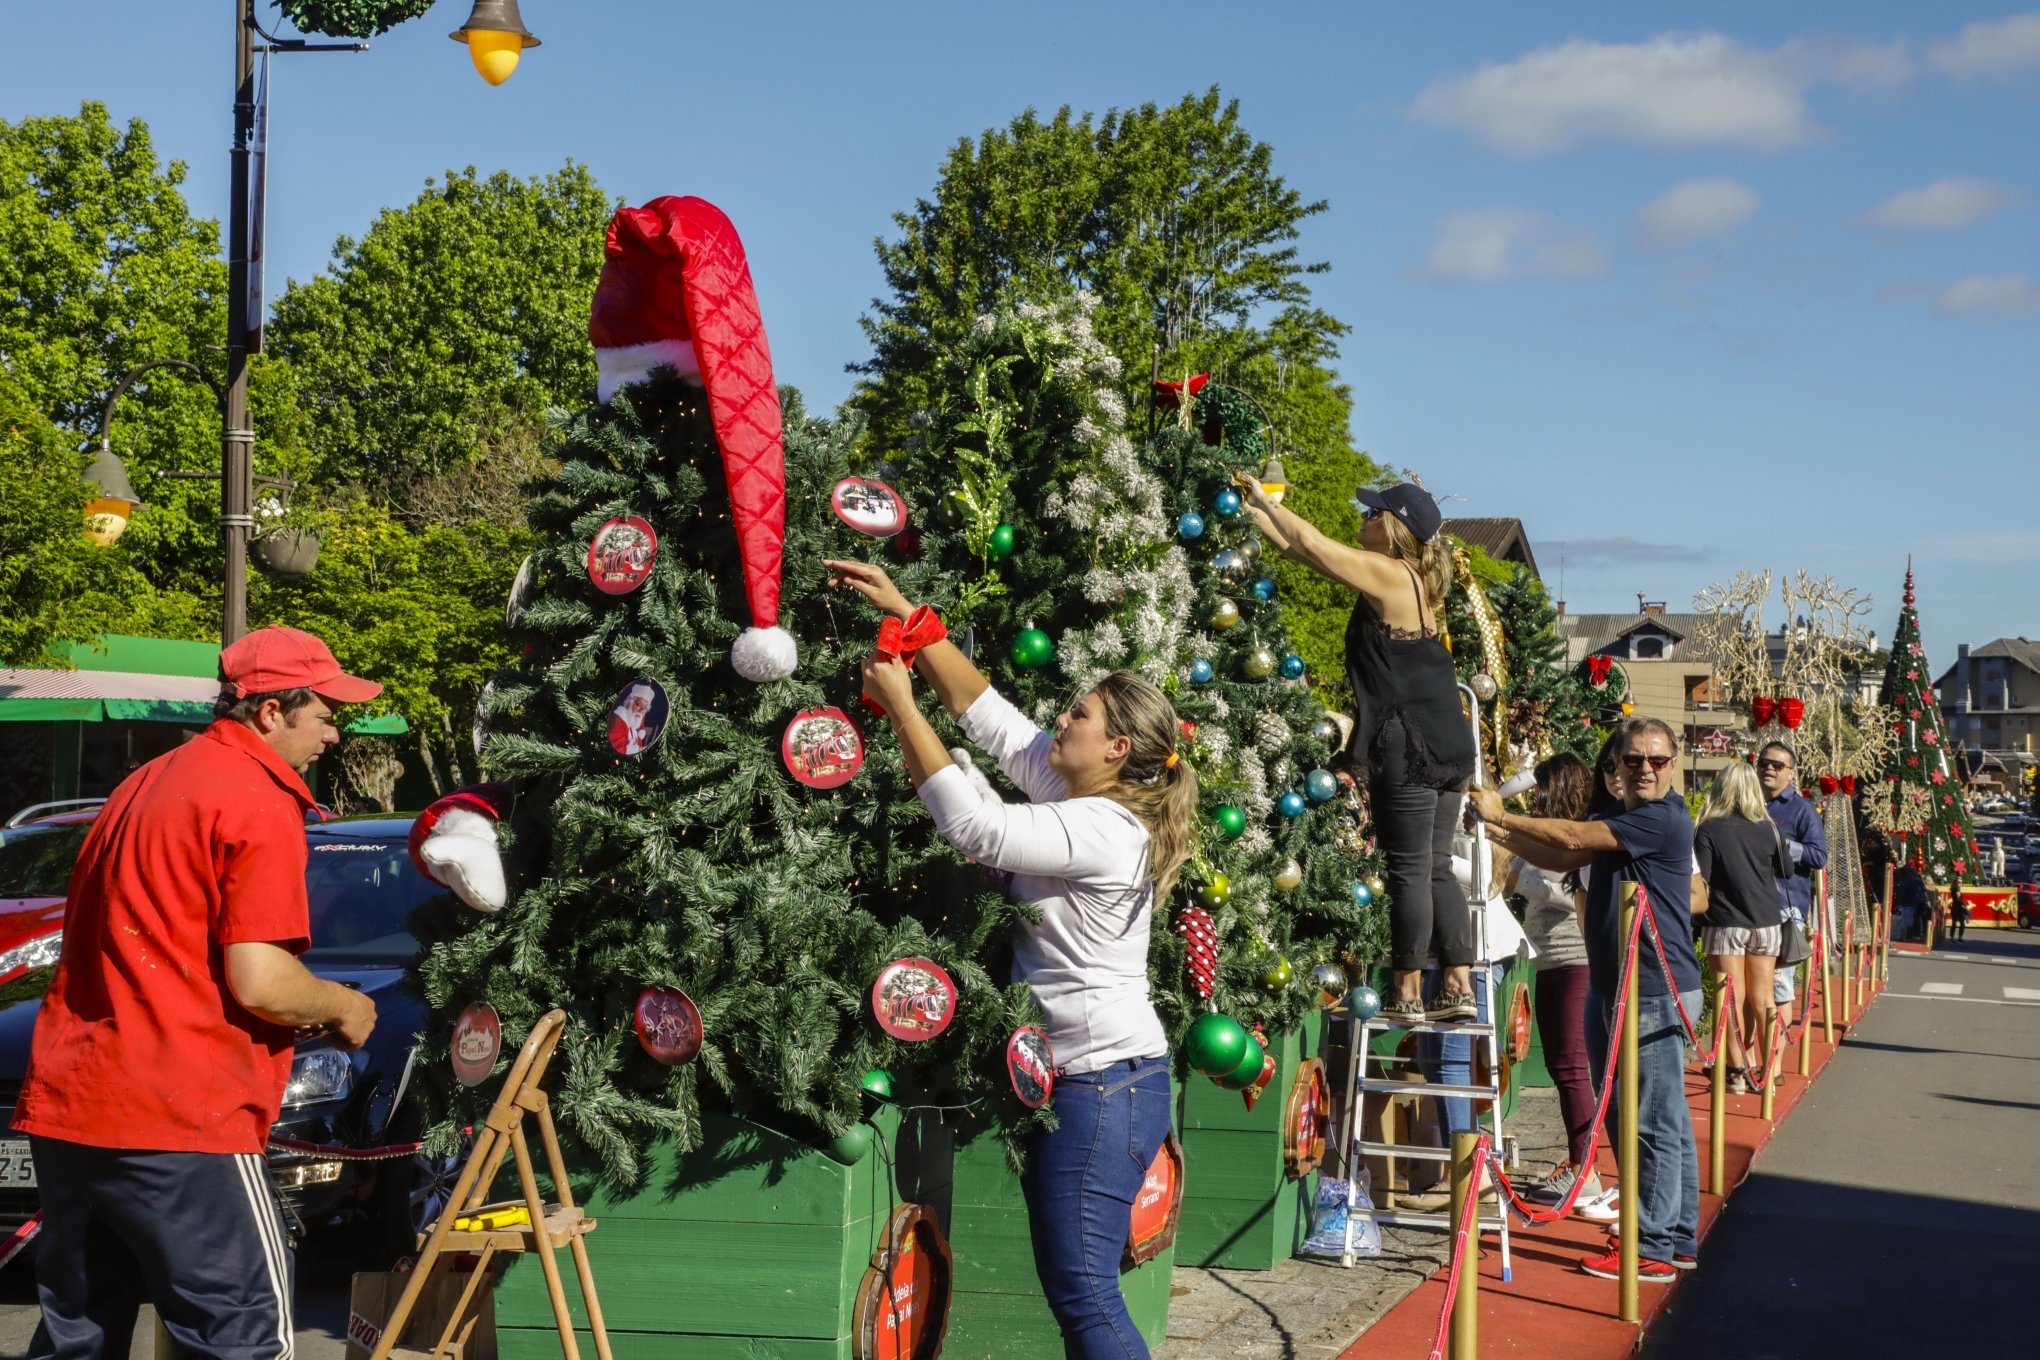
(1155, 784)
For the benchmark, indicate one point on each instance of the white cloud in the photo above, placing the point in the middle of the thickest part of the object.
(1945, 205)
(1991, 295)
(1484, 245)
(1696, 209)
(1990, 50)
(1676, 89)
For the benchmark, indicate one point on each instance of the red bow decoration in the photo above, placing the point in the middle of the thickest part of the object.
(1762, 707)
(1828, 783)
(1790, 711)
(1849, 785)
(1597, 670)
(904, 641)
(1167, 396)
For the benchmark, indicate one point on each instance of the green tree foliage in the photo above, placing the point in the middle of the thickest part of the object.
(1027, 430)
(47, 565)
(700, 863)
(1175, 220)
(439, 339)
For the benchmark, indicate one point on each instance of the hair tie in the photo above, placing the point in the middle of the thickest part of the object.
(1170, 763)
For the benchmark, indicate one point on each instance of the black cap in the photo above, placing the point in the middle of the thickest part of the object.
(1409, 503)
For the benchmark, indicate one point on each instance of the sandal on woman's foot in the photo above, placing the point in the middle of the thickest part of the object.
(1454, 1006)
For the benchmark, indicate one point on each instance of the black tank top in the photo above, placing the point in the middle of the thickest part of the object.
(1404, 682)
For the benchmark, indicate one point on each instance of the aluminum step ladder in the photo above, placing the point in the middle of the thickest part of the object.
(1365, 1076)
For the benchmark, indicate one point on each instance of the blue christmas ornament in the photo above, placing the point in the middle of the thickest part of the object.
(1363, 1003)
(1362, 894)
(1264, 589)
(1227, 503)
(1200, 672)
(1292, 666)
(1321, 786)
(1190, 524)
(1291, 804)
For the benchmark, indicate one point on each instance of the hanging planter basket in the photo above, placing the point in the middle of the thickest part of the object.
(287, 554)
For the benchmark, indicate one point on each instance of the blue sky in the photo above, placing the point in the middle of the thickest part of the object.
(1689, 288)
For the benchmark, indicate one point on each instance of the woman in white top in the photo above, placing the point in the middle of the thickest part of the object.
(1108, 827)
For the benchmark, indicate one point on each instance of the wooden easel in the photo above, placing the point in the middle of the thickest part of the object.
(547, 1228)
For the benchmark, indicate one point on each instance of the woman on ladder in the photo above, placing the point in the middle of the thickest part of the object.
(1410, 734)
(1109, 826)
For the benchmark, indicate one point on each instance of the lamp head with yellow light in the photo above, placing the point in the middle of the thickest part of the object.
(114, 502)
(496, 38)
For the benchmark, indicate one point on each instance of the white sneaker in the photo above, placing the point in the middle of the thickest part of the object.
(1605, 1207)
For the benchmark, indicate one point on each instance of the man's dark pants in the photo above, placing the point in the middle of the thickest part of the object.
(198, 1234)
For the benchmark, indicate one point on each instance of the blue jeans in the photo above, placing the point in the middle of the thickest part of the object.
(1667, 1155)
(1448, 1058)
(1080, 1184)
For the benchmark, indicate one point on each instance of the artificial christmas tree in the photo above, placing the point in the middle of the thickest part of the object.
(1918, 802)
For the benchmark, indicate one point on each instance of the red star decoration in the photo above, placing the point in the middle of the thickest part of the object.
(1936, 776)
(1912, 675)
(1912, 760)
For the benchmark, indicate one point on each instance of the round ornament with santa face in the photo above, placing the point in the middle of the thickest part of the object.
(822, 748)
(620, 555)
(639, 717)
(477, 1039)
(869, 506)
(913, 999)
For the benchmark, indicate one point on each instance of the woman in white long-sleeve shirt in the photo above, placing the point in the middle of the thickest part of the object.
(1101, 841)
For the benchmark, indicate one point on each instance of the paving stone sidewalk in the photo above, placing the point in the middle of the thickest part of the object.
(1315, 1310)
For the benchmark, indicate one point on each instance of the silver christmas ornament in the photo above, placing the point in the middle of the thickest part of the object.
(1232, 565)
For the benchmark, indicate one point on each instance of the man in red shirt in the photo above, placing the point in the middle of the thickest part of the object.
(165, 1041)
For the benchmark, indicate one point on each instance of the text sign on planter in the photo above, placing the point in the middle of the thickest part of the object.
(1151, 1228)
(903, 1300)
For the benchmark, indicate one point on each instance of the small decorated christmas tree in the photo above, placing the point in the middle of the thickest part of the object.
(1928, 818)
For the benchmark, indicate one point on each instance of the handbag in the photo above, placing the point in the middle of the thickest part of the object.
(1793, 946)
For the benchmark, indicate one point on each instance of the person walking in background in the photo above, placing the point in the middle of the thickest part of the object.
(165, 1040)
(1649, 841)
(1806, 843)
(1743, 858)
(1551, 918)
(1410, 734)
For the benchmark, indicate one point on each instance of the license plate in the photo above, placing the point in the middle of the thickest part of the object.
(17, 1167)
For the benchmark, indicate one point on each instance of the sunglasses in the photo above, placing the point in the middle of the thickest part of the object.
(1634, 763)
(1773, 765)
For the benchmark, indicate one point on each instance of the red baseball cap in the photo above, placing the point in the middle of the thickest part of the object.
(272, 659)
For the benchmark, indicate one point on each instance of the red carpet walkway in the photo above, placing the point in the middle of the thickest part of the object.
(1550, 1308)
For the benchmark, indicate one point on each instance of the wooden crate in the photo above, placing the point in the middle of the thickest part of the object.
(750, 1247)
(998, 1311)
(1241, 1208)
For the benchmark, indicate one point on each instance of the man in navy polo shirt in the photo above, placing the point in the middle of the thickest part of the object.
(1805, 841)
(1650, 843)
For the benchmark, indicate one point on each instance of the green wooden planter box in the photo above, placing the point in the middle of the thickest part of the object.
(750, 1248)
(1532, 1071)
(997, 1311)
(1241, 1208)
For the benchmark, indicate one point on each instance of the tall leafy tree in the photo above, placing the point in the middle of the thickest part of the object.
(438, 340)
(1175, 221)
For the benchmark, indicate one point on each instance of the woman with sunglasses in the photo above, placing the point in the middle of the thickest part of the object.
(1410, 735)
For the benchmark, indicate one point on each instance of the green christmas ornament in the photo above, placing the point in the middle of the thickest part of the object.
(1215, 893)
(1225, 615)
(1259, 664)
(1033, 649)
(1216, 1044)
(1003, 539)
(951, 511)
(850, 1146)
(1229, 820)
(1249, 1070)
(1289, 877)
(877, 1083)
(1279, 976)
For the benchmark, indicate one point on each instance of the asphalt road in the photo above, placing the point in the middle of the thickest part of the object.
(1898, 1211)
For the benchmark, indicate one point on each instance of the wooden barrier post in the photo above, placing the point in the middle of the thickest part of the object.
(1630, 1309)
(1717, 1100)
(1765, 1105)
(1466, 1304)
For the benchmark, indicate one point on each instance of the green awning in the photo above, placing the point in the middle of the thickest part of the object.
(144, 656)
(379, 725)
(51, 710)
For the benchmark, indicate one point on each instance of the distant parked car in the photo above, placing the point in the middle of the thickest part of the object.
(2029, 905)
(362, 888)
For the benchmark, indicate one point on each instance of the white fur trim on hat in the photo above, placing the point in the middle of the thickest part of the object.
(618, 368)
(762, 654)
(462, 852)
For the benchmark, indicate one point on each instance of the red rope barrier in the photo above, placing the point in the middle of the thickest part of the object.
(1462, 1237)
(23, 1235)
(337, 1153)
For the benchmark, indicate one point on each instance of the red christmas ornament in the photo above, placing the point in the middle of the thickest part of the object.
(1189, 729)
(1761, 709)
(1791, 711)
(668, 1025)
(1200, 941)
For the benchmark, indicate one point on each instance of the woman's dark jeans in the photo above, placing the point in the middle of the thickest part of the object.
(1080, 1185)
(1426, 907)
(1562, 1025)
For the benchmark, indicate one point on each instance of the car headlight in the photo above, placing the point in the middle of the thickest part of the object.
(40, 952)
(318, 1074)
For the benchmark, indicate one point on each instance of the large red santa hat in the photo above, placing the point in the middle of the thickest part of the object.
(676, 292)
